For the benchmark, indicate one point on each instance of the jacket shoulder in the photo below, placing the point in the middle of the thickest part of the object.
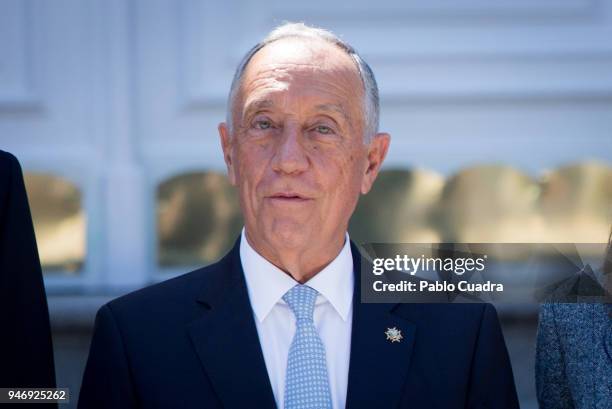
(176, 293)
(7, 158)
(9, 166)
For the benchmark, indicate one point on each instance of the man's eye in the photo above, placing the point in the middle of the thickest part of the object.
(263, 124)
(325, 130)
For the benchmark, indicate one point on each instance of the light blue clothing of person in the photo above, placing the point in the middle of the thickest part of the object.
(574, 356)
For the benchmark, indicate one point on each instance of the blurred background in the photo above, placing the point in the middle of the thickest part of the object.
(500, 115)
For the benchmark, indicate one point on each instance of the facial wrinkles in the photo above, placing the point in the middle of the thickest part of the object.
(298, 113)
(333, 80)
(286, 87)
(293, 102)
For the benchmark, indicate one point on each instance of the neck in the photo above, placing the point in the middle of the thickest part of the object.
(300, 263)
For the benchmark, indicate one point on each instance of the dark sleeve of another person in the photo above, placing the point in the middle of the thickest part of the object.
(26, 354)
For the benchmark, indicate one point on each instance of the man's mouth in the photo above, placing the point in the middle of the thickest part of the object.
(288, 197)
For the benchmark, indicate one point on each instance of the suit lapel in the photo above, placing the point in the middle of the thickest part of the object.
(226, 341)
(378, 367)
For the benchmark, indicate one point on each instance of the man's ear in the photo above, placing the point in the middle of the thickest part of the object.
(226, 145)
(377, 151)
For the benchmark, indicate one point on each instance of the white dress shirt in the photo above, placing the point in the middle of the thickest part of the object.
(275, 321)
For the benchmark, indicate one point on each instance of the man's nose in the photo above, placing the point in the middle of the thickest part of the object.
(290, 157)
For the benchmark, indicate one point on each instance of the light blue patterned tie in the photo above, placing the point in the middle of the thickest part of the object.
(306, 384)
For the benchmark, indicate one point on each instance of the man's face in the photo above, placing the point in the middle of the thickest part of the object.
(297, 153)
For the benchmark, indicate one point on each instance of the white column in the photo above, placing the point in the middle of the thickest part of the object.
(125, 266)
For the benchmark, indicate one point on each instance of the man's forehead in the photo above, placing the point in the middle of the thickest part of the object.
(301, 55)
(316, 70)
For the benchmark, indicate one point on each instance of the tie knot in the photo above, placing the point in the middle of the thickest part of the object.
(301, 300)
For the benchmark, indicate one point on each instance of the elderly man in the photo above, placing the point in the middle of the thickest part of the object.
(278, 321)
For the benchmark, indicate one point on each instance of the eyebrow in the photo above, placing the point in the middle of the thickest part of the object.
(256, 106)
(334, 108)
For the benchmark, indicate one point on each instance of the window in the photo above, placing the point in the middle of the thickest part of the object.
(198, 219)
(59, 222)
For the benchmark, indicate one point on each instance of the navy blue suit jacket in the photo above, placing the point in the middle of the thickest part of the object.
(191, 342)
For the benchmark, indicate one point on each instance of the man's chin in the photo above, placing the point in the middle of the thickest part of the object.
(291, 235)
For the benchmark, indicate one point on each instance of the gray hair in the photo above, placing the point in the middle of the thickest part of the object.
(371, 103)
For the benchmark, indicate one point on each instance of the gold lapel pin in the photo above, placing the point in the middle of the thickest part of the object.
(394, 334)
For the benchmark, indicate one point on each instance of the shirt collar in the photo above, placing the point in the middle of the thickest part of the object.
(266, 283)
